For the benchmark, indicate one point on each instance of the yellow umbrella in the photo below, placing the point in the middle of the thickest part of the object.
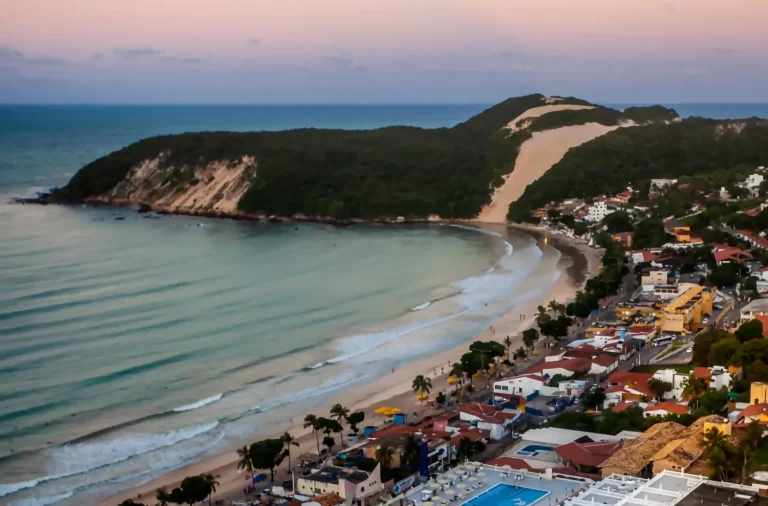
(451, 380)
(382, 410)
(421, 396)
(393, 411)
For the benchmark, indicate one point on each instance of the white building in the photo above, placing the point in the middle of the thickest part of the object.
(489, 418)
(350, 484)
(674, 378)
(758, 307)
(598, 211)
(523, 385)
(753, 181)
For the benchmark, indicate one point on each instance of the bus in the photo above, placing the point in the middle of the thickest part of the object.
(663, 340)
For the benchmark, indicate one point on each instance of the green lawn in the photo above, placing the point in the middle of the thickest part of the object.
(652, 368)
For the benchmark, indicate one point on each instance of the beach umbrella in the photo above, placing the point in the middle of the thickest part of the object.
(442, 481)
(394, 411)
(450, 492)
(481, 473)
(428, 503)
(451, 380)
(421, 397)
(461, 485)
(434, 485)
(382, 410)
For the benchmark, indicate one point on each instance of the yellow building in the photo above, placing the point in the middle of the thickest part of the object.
(683, 234)
(758, 393)
(628, 310)
(687, 310)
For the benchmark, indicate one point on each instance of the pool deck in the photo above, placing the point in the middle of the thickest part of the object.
(558, 488)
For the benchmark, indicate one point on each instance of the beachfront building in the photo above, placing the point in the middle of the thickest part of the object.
(352, 485)
(687, 311)
(490, 418)
(653, 276)
(599, 210)
(524, 385)
(565, 368)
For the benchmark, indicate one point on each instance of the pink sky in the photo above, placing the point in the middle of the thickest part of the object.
(397, 50)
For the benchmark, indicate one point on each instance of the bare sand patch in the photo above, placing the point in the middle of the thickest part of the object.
(535, 112)
(537, 155)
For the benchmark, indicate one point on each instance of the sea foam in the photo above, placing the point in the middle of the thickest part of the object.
(199, 404)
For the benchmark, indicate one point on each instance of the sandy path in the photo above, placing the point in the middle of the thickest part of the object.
(577, 264)
(535, 112)
(537, 155)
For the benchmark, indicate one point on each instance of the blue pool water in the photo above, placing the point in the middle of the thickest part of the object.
(533, 450)
(507, 495)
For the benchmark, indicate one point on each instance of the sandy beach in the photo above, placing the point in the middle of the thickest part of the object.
(577, 263)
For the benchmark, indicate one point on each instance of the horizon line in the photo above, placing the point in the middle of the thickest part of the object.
(306, 104)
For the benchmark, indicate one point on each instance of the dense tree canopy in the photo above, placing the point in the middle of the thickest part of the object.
(380, 173)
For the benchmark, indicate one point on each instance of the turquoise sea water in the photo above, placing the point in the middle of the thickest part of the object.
(130, 346)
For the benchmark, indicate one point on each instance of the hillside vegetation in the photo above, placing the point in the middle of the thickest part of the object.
(386, 172)
(635, 155)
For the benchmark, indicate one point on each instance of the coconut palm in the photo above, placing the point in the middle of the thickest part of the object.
(556, 307)
(245, 463)
(713, 438)
(316, 425)
(507, 342)
(529, 338)
(340, 413)
(693, 387)
(163, 497)
(541, 312)
(384, 455)
(457, 372)
(422, 385)
(211, 483)
(288, 441)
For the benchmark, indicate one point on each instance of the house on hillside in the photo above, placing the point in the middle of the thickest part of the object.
(664, 409)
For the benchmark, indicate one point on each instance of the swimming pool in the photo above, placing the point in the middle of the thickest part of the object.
(507, 495)
(533, 450)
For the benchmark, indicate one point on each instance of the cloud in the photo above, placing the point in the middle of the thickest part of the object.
(11, 55)
(135, 53)
(150, 53)
(253, 41)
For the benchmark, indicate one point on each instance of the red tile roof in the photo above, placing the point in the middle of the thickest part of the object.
(702, 372)
(486, 413)
(622, 406)
(754, 410)
(637, 381)
(641, 329)
(759, 241)
(732, 254)
(587, 454)
(512, 462)
(573, 365)
(605, 360)
(648, 256)
(669, 407)
(471, 434)
(762, 318)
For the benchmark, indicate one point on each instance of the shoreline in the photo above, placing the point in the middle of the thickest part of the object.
(578, 262)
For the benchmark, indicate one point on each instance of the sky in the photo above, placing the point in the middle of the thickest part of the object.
(382, 51)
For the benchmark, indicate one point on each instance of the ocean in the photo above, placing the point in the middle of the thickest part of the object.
(132, 345)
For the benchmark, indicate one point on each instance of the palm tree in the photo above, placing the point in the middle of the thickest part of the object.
(340, 413)
(411, 451)
(457, 372)
(384, 455)
(422, 386)
(713, 438)
(507, 344)
(163, 497)
(211, 483)
(245, 463)
(693, 387)
(314, 422)
(529, 339)
(541, 312)
(556, 307)
(289, 441)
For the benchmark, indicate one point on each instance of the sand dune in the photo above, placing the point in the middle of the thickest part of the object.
(535, 112)
(537, 155)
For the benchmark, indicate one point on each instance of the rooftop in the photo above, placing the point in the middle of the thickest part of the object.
(558, 437)
(332, 474)
(670, 407)
(757, 306)
(708, 494)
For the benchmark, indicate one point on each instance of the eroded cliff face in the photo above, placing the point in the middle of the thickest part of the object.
(214, 188)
